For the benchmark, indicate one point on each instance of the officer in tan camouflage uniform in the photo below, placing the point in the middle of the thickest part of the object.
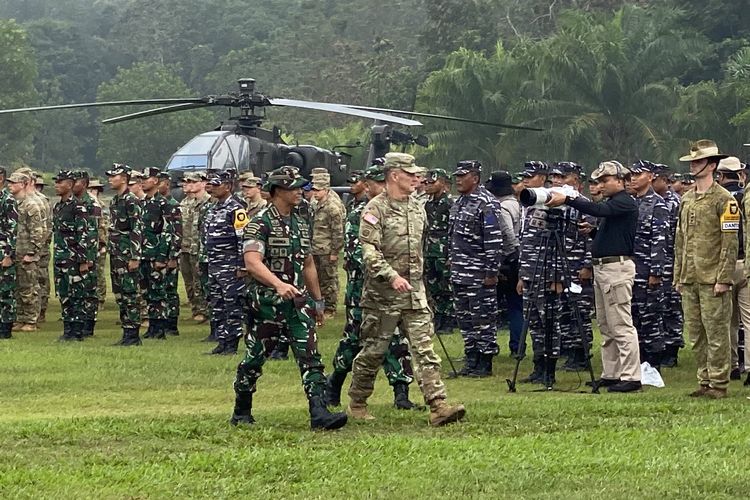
(251, 194)
(194, 187)
(328, 238)
(95, 190)
(391, 233)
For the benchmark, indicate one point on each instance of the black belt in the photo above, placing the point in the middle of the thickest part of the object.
(610, 260)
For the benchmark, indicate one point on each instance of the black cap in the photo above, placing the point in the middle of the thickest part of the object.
(500, 183)
(218, 177)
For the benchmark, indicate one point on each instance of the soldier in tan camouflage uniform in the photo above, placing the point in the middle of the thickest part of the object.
(328, 238)
(95, 190)
(31, 238)
(251, 194)
(194, 187)
(391, 232)
(44, 257)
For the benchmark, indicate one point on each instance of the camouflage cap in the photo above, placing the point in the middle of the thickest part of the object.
(286, 177)
(378, 161)
(119, 168)
(660, 170)
(566, 168)
(730, 164)
(96, 183)
(17, 177)
(248, 179)
(375, 173)
(219, 177)
(151, 172)
(436, 173)
(80, 174)
(307, 187)
(64, 175)
(641, 166)
(40, 181)
(465, 166)
(164, 176)
(193, 177)
(318, 171)
(611, 167)
(321, 182)
(704, 148)
(687, 179)
(403, 162)
(516, 178)
(355, 176)
(535, 167)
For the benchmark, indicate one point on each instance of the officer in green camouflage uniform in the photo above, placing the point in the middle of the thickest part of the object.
(74, 257)
(44, 255)
(8, 235)
(203, 258)
(397, 361)
(286, 299)
(391, 232)
(437, 272)
(90, 302)
(124, 247)
(95, 190)
(174, 223)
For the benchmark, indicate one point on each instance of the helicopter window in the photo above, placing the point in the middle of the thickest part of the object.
(222, 158)
(199, 145)
(188, 162)
(239, 147)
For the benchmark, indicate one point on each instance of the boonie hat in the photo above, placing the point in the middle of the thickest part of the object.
(704, 148)
(730, 164)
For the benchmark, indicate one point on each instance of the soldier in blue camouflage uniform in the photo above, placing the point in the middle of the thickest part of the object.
(286, 299)
(8, 234)
(73, 257)
(437, 272)
(574, 317)
(672, 310)
(397, 361)
(173, 218)
(222, 239)
(476, 254)
(650, 257)
(93, 216)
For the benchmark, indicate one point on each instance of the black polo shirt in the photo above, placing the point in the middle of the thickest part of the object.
(616, 233)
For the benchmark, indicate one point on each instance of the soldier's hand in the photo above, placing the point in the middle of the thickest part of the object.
(556, 287)
(490, 281)
(585, 228)
(83, 267)
(27, 259)
(132, 265)
(287, 291)
(7, 261)
(241, 273)
(556, 199)
(401, 285)
(654, 281)
(678, 288)
(172, 264)
(159, 265)
(519, 287)
(333, 258)
(721, 288)
(585, 274)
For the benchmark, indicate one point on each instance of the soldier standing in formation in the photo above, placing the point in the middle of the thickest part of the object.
(173, 219)
(95, 190)
(124, 246)
(391, 235)
(397, 361)
(203, 257)
(93, 219)
(8, 238)
(136, 187)
(191, 206)
(437, 272)
(44, 256)
(286, 300)
(251, 193)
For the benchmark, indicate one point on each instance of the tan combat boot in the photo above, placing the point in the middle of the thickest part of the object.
(441, 413)
(358, 411)
(715, 393)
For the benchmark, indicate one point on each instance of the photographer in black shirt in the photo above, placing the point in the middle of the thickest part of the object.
(614, 272)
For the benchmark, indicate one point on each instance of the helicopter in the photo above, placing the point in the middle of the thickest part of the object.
(242, 145)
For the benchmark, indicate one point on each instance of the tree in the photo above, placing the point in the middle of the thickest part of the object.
(152, 140)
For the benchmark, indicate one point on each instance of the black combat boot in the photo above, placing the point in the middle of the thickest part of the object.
(219, 349)
(171, 327)
(536, 376)
(548, 378)
(576, 361)
(130, 337)
(5, 330)
(68, 334)
(160, 328)
(483, 368)
(230, 346)
(151, 330)
(472, 360)
(401, 397)
(333, 388)
(78, 329)
(321, 418)
(280, 352)
(212, 332)
(243, 407)
(746, 383)
(88, 327)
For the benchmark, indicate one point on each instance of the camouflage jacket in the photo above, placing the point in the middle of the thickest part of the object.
(47, 206)
(438, 212)
(71, 228)
(353, 264)
(533, 241)
(651, 236)
(476, 238)
(577, 245)
(173, 217)
(31, 227)
(125, 227)
(157, 236)
(253, 207)
(328, 226)
(672, 201)
(392, 238)
(93, 220)
(222, 235)
(738, 192)
(8, 224)
(706, 240)
(202, 213)
(192, 209)
(103, 225)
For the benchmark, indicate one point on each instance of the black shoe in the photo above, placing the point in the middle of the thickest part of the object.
(230, 347)
(68, 333)
(470, 364)
(747, 380)
(333, 388)
(130, 337)
(446, 325)
(548, 379)
(401, 397)
(88, 328)
(321, 418)
(242, 413)
(171, 327)
(625, 386)
(151, 330)
(483, 368)
(536, 376)
(5, 331)
(160, 329)
(735, 374)
(669, 359)
(604, 382)
(219, 349)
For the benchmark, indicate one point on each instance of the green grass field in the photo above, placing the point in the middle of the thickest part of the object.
(88, 420)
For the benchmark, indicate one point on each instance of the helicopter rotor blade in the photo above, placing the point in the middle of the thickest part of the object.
(346, 110)
(157, 111)
(444, 117)
(103, 104)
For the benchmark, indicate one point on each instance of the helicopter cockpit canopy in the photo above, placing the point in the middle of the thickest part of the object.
(218, 149)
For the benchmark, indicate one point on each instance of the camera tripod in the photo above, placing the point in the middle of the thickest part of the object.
(553, 262)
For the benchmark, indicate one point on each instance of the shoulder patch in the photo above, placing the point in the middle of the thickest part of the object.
(240, 219)
(730, 218)
(370, 217)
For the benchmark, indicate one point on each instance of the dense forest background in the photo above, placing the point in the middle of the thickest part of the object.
(604, 78)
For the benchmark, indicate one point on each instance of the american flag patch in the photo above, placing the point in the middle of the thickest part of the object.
(368, 217)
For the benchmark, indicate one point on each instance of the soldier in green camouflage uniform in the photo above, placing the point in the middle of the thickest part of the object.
(95, 190)
(90, 302)
(44, 255)
(75, 248)
(397, 361)
(203, 259)
(437, 272)
(8, 235)
(286, 299)
(174, 223)
(124, 247)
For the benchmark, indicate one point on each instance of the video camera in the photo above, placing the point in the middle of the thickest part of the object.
(537, 197)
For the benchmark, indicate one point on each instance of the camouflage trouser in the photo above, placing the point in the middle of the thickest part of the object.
(328, 277)
(227, 296)
(153, 285)
(44, 285)
(101, 277)
(647, 309)
(76, 292)
(191, 278)
(544, 322)
(270, 319)
(378, 326)
(173, 297)
(203, 283)
(707, 322)
(570, 328)
(397, 361)
(476, 312)
(672, 310)
(27, 293)
(126, 291)
(437, 280)
(8, 294)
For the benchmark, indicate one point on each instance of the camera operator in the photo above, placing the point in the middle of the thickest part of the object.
(614, 272)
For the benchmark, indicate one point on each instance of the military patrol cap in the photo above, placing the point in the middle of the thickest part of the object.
(676, 177)
(192, 177)
(436, 173)
(286, 177)
(119, 168)
(730, 164)
(65, 175)
(164, 176)
(611, 167)
(402, 161)
(641, 166)
(465, 166)
(375, 173)
(151, 172)
(80, 174)
(40, 181)
(219, 177)
(704, 148)
(355, 176)
(660, 170)
(532, 168)
(321, 181)
(566, 167)
(248, 179)
(96, 184)
(378, 161)
(516, 178)
(17, 177)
